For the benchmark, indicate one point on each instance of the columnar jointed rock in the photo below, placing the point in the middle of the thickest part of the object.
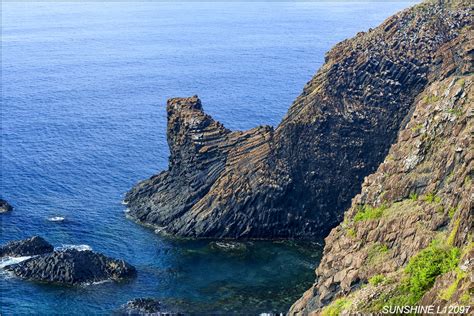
(4, 206)
(296, 180)
(72, 267)
(421, 192)
(68, 266)
(27, 247)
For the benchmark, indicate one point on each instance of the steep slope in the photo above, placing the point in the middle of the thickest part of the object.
(408, 234)
(295, 181)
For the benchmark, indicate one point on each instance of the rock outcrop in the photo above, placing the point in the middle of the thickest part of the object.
(143, 306)
(4, 206)
(416, 209)
(295, 181)
(28, 247)
(70, 266)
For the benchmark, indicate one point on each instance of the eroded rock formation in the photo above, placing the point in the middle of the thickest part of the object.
(295, 181)
(420, 199)
(70, 266)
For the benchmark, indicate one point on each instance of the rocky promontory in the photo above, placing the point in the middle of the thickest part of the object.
(69, 266)
(296, 180)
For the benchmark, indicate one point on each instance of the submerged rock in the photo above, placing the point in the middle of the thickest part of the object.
(142, 306)
(28, 247)
(4, 206)
(68, 266)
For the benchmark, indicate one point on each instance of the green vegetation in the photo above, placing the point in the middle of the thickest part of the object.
(417, 127)
(351, 232)
(456, 112)
(465, 299)
(432, 198)
(428, 99)
(368, 212)
(336, 307)
(449, 292)
(467, 181)
(452, 235)
(421, 272)
(377, 279)
(413, 196)
(452, 211)
(423, 268)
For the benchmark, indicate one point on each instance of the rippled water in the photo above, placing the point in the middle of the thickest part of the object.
(84, 87)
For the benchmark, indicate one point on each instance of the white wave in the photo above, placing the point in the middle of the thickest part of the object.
(6, 261)
(84, 284)
(127, 210)
(77, 247)
(124, 203)
(56, 219)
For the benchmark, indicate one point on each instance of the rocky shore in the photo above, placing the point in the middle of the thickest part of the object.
(69, 266)
(296, 180)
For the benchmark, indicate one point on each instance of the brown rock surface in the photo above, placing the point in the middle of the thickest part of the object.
(423, 190)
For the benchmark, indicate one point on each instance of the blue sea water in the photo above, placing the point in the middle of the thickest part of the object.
(84, 88)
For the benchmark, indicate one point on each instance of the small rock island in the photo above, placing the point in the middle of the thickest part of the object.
(69, 266)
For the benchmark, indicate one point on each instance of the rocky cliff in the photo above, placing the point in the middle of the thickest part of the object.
(295, 181)
(407, 237)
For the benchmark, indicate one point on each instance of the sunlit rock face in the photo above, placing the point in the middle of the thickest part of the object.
(296, 180)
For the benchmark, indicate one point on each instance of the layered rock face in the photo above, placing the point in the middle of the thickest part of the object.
(295, 181)
(68, 266)
(416, 210)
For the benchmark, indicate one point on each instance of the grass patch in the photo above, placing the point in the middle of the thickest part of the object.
(456, 112)
(351, 232)
(414, 197)
(448, 293)
(452, 234)
(377, 279)
(428, 99)
(452, 211)
(423, 268)
(417, 127)
(336, 307)
(368, 212)
(432, 198)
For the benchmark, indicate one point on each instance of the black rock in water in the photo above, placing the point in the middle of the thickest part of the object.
(141, 306)
(28, 247)
(5, 206)
(70, 266)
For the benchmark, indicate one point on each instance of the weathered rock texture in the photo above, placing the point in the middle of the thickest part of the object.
(69, 266)
(295, 181)
(421, 192)
(28, 247)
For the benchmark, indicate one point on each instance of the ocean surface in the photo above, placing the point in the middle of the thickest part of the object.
(84, 88)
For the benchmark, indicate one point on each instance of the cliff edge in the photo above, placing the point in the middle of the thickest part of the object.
(296, 180)
(406, 240)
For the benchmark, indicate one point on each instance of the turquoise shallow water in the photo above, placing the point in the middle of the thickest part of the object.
(84, 87)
